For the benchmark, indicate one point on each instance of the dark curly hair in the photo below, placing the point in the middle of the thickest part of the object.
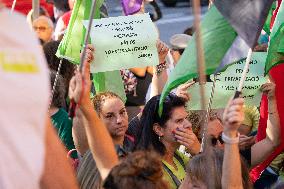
(140, 170)
(100, 98)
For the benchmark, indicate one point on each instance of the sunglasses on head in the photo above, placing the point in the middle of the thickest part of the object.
(215, 140)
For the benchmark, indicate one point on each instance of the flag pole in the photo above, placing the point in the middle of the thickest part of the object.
(73, 105)
(202, 82)
(244, 74)
(200, 54)
(35, 9)
(87, 36)
(13, 6)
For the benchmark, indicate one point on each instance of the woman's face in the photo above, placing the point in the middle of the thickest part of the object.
(178, 120)
(114, 116)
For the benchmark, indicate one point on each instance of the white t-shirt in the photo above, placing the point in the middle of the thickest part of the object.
(24, 94)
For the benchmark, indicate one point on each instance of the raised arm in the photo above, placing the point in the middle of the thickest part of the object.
(231, 171)
(262, 149)
(100, 142)
(160, 75)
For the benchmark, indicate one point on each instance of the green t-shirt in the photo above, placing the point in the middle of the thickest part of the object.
(179, 172)
(63, 125)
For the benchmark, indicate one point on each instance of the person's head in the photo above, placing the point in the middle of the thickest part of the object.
(205, 170)
(44, 28)
(189, 31)
(67, 69)
(159, 130)
(178, 44)
(214, 130)
(140, 170)
(71, 4)
(58, 100)
(42, 12)
(111, 109)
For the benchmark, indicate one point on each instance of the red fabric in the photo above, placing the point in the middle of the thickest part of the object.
(24, 6)
(278, 77)
(277, 74)
(66, 18)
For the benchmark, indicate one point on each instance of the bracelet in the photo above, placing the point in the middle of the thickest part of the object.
(271, 112)
(230, 140)
(161, 67)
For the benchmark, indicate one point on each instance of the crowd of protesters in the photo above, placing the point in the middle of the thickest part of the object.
(110, 143)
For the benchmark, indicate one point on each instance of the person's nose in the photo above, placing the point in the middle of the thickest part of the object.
(187, 124)
(119, 119)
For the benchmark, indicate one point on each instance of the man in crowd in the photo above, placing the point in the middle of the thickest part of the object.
(44, 28)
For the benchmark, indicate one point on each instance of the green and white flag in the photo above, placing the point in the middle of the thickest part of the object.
(71, 45)
(217, 38)
(275, 54)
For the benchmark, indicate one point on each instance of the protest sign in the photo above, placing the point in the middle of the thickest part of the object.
(123, 42)
(227, 83)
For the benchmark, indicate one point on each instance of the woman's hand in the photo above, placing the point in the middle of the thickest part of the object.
(269, 90)
(233, 116)
(186, 137)
(80, 84)
(182, 90)
(163, 50)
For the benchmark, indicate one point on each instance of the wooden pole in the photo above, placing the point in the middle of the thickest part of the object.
(202, 81)
(200, 55)
(13, 5)
(244, 74)
(35, 9)
(200, 60)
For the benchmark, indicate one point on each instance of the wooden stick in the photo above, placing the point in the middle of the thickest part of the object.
(35, 9)
(244, 74)
(13, 5)
(87, 36)
(200, 55)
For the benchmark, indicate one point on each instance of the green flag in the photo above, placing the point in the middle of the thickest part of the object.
(217, 37)
(266, 26)
(276, 45)
(72, 42)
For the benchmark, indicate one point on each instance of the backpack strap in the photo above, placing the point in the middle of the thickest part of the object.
(180, 160)
(175, 179)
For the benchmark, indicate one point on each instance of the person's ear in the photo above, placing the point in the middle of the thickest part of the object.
(158, 129)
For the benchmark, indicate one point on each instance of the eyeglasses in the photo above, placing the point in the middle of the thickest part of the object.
(214, 140)
(40, 28)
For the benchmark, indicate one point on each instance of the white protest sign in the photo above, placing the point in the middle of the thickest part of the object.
(123, 42)
(227, 83)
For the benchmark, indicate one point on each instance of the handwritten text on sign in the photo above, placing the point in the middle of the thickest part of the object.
(227, 83)
(123, 42)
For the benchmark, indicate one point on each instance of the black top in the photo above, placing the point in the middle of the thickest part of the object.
(141, 91)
